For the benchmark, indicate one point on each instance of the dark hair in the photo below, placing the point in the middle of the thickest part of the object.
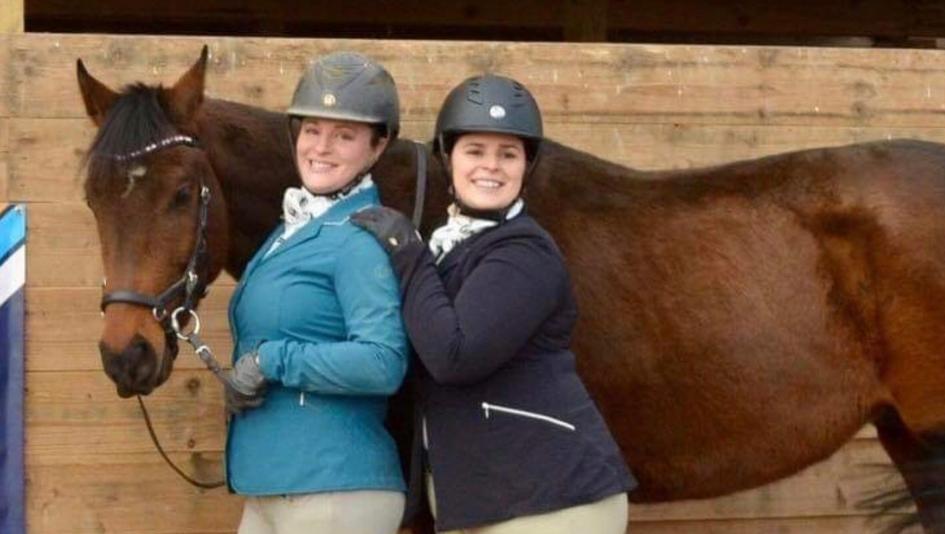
(378, 131)
(134, 121)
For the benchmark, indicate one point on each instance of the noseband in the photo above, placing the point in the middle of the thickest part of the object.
(190, 287)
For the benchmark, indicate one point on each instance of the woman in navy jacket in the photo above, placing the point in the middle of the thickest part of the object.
(511, 440)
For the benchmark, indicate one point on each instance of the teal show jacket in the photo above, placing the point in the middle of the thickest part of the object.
(323, 310)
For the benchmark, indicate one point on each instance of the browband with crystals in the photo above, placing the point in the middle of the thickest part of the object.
(174, 140)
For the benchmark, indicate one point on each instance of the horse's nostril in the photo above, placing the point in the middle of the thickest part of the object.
(111, 362)
(138, 349)
(140, 354)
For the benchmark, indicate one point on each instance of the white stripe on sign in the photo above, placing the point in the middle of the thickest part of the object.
(12, 274)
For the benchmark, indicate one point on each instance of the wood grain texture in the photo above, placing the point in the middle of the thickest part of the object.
(127, 492)
(589, 83)
(78, 413)
(4, 160)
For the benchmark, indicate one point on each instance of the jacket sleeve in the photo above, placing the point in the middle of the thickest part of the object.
(502, 303)
(372, 360)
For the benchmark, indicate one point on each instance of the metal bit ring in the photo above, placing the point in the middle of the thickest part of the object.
(175, 324)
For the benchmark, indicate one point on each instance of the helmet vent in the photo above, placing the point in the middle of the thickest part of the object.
(474, 95)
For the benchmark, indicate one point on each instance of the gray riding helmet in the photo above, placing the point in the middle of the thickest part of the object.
(348, 86)
(489, 103)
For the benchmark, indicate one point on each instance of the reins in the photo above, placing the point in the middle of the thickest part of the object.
(420, 192)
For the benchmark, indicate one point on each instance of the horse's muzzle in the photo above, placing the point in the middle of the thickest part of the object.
(136, 370)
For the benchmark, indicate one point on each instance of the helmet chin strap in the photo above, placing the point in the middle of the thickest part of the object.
(347, 188)
(498, 215)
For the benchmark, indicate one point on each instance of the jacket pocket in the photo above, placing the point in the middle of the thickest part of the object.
(488, 409)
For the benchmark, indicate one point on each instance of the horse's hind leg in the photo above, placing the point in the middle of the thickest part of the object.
(921, 461)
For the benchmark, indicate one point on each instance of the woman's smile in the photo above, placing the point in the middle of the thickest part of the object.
(487, 183)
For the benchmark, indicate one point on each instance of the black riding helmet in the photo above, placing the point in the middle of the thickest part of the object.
(346, 86)
(489, 103)
(492, 104)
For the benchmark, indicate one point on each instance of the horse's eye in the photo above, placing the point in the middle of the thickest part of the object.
(181, 197)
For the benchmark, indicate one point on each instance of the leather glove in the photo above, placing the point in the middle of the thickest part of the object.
(392, 229)
(246, 385)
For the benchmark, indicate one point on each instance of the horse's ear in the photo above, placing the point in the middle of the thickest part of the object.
(97, 96)
(185, 97)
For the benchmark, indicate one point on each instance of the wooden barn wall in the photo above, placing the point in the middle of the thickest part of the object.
(91, 467)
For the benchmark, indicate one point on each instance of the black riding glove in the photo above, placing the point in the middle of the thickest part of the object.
(246, 385)
(392, 229)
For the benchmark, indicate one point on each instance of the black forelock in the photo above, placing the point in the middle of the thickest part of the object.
(134, 121)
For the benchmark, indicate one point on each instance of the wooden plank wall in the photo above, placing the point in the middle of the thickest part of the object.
(91, 467)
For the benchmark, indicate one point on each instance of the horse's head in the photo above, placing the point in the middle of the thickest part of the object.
(150, 185)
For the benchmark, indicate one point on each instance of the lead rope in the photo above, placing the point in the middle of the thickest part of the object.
(157, 445)
(206, 356)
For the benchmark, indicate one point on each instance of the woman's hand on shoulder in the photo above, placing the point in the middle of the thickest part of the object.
(392, 229)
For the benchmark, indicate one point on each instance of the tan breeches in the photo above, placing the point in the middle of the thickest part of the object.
(606, 516)
(350, 512)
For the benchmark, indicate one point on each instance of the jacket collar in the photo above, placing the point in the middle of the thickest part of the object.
(336, 215)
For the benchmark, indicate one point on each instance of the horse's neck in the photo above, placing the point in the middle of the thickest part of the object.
(250, 154)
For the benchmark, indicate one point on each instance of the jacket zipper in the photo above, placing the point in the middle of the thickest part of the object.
(504, 409)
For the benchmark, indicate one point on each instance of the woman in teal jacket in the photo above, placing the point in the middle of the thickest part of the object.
(319, 340)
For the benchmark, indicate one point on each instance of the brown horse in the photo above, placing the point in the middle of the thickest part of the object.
(739, 322)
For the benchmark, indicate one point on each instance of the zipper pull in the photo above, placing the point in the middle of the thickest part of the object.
(301, 398)
(485, 408)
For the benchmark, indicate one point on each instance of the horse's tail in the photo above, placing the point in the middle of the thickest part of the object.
(915, 495)
(892, 508)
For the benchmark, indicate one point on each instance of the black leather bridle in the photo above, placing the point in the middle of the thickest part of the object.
(190, 287)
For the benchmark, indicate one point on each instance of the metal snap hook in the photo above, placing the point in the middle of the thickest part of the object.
(175, 324)
(192, 280)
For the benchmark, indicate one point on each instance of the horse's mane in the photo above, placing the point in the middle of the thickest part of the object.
(134, 121)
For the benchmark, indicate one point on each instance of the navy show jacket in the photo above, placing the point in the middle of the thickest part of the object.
(511, 428)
